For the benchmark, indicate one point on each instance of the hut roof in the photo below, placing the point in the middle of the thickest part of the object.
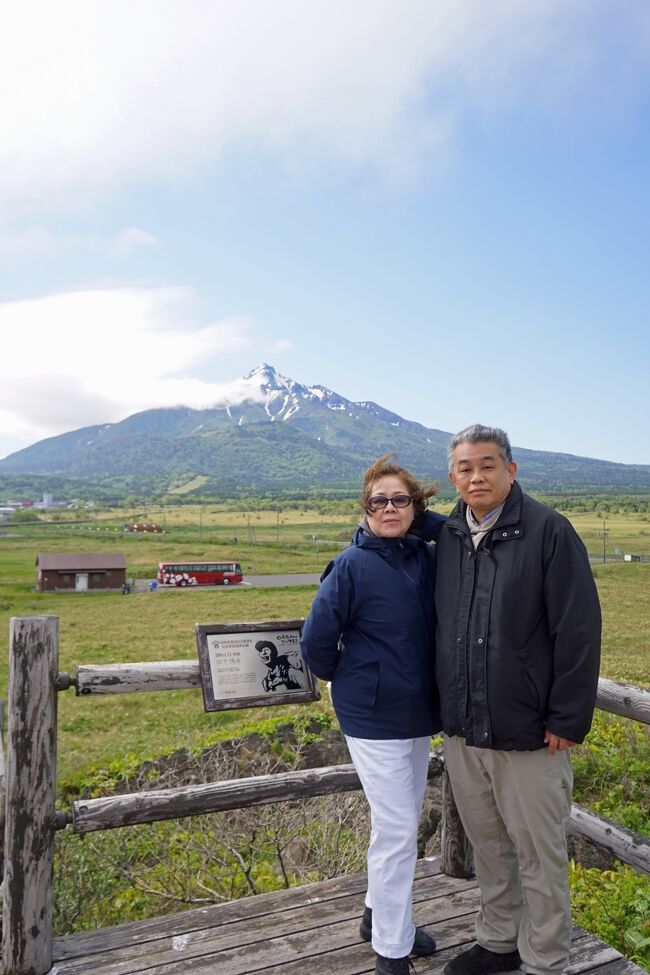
(79, 562)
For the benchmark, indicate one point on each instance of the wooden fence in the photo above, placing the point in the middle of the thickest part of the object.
(30, 781)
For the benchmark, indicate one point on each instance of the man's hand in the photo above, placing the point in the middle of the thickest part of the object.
(557, 744)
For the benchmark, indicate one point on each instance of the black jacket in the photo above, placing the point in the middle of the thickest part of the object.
(518, 634)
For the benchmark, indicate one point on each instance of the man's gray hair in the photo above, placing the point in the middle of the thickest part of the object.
(477, 433)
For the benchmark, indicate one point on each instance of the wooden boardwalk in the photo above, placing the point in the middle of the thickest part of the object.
(310, 930)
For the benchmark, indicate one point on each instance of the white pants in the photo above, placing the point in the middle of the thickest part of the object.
(393, 774)
(515, 807)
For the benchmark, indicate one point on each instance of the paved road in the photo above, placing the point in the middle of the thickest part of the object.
(258, 582)
(298, 579)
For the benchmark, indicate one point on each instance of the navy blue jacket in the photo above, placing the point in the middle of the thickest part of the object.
(371, 631)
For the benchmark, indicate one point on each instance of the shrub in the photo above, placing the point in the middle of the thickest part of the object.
(615, 906)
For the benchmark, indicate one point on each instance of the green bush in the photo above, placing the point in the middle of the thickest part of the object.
(611, 771)
(611, 779)
(615, 906)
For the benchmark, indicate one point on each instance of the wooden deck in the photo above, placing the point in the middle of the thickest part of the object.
(310, 930)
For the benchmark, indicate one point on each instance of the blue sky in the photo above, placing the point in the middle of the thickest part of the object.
(440, 206)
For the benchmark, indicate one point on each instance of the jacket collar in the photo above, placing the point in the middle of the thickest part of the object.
(364, 538)
(509, 521)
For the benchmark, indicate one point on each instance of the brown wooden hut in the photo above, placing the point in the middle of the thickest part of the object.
(72, 572)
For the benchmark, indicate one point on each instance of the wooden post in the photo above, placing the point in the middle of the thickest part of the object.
(30, 784)
(2, 788)
(456, 856)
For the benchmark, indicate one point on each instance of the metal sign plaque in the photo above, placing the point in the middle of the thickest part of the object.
(250, 665)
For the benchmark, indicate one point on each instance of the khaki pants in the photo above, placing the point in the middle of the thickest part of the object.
(515, 807)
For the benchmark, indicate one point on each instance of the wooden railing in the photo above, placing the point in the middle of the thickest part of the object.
(32, 819)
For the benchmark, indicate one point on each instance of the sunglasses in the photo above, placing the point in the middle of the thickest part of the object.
(379, 502)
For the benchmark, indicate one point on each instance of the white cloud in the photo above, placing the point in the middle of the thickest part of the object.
(282, 345)
(102, 93)
(129, 239)
(85, 357)
(38, 242)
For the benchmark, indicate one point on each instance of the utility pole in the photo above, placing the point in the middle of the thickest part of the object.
(604, 533)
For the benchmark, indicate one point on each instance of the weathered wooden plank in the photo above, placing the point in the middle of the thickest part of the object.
(315, 920)
(319, 935)
(621, 967)
(3, 797)
(109, 812)
(236, 910)
(457, 855)
(588, 952)
(125, 678)
(626, 845)
(30, 785)
(583, 947)
(306, 946)
(619, 698)
(247, 908)
(452, 937)
(624, 699)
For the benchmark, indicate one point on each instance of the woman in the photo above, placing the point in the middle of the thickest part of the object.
(370, 632)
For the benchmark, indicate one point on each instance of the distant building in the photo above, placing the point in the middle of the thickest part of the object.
(69, 572)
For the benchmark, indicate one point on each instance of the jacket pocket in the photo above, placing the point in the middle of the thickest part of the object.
(534, 690)
(531, 682)
(355, 684)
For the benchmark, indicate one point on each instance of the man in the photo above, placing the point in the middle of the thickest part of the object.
(284, 672)
(518, 648)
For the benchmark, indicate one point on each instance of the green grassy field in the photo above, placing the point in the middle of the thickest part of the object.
(110, 628)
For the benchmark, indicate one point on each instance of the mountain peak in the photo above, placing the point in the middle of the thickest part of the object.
(264, 373)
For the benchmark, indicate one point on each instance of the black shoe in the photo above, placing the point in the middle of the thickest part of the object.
(423, 943)
(392, 966)
(480, 961)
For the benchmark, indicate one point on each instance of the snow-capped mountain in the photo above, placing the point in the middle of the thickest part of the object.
(268, 431)
(282, 398)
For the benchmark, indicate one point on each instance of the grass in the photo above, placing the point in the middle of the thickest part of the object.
(627, 532)
(110, 628)
(623, 589)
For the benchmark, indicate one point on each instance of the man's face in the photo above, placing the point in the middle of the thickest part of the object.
(481, 476)
(266, 654)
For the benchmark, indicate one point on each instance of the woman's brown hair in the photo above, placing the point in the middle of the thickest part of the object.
(387, 465)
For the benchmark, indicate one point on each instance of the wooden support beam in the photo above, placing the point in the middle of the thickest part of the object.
(125, 678)
(109, 812)
(626, 845)
(3, 795)
(30, 784)
(456, 854)
(624, 699)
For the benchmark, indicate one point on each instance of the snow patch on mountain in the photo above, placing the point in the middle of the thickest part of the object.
(279, 396)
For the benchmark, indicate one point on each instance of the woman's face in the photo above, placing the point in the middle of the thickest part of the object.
(390, 522)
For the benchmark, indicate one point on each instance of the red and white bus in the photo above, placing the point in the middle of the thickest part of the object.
(199, 573)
